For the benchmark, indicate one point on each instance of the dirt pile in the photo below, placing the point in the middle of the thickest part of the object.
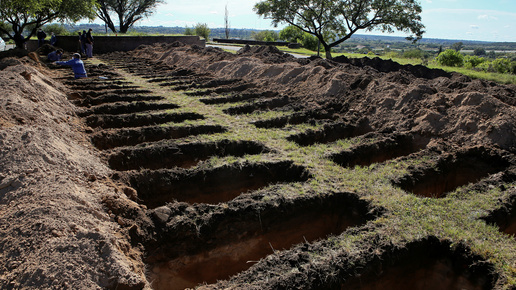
(390, 96)
(54, 232)
(255, 170)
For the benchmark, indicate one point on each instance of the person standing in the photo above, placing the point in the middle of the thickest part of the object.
(79, 41)
(83, 42)
(89, 43)
(41, 37)
(76, 64)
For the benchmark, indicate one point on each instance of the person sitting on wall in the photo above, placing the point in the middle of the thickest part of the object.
(76, 64)
(55, 55)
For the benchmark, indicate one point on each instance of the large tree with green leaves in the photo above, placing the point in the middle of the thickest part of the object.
(128, 12)
(30, 15)
(335, 21)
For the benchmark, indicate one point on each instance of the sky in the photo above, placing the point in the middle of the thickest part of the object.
(485, 20)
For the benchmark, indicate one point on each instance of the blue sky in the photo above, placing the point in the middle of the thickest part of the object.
(487, 20)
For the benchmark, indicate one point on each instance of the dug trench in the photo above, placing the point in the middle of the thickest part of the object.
(259, 171)
(211, 186)
(388, 147)
(231, 242)
(425, 264)
(220, 247)
(452, 171)
(187, 155)
(224, 239)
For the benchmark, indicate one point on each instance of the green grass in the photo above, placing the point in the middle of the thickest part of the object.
(407, 217)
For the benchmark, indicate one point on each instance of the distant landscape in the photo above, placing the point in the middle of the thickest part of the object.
(357, 41)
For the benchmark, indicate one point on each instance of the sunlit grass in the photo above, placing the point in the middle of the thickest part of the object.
(407, 217)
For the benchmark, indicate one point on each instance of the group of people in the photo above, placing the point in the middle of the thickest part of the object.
(85, 47)
(86, 43)
(41, 35)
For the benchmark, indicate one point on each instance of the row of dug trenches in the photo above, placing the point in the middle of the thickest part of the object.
(232, 180)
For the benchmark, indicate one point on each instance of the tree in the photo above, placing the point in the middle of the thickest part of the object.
(291, 34)
(57, 29)
(450, 57)
(479, 51)
(189, 31)
(202, 30)
(473, 61)
(226, 22)
(457, 46)
(310, 42)
(127, 11)
(335, 21)
(265, 35)
(33, 14)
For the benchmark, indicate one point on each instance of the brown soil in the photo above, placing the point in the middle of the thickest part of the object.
(107, 182)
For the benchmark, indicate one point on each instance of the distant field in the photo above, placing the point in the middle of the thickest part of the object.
(496, 77)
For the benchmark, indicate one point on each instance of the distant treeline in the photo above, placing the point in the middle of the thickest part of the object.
(372, 42)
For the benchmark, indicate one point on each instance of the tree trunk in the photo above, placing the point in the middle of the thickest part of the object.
(328, 51)
(19, 41)
(123, 28)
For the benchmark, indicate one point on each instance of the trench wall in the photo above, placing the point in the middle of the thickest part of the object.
(103, 44)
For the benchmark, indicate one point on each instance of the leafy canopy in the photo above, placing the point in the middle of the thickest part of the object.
(202, 30)
(32, 14)
(128, 12)
(334, 21)
(294, 34)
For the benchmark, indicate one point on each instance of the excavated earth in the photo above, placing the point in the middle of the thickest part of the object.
(174, 167)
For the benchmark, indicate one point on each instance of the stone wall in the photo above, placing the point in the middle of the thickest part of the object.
(255, 42)
(103, 44)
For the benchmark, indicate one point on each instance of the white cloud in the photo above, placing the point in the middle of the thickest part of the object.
(487, 17)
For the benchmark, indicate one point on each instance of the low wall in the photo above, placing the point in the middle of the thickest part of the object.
(255, 42)
(103, 44)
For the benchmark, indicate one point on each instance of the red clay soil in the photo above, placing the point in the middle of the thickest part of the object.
(68, 221)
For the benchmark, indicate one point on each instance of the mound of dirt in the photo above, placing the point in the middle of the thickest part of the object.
(365, 168)
(54, 232)
(390, 96)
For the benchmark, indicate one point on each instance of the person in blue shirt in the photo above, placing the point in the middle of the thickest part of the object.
(53, 39)
(55, 55)
(76, 64)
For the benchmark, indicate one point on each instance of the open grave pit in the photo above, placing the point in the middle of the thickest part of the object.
(453, 170)
(231, 240)
(156, 156)
(388, 147)
(109, 139)
(221, 184)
